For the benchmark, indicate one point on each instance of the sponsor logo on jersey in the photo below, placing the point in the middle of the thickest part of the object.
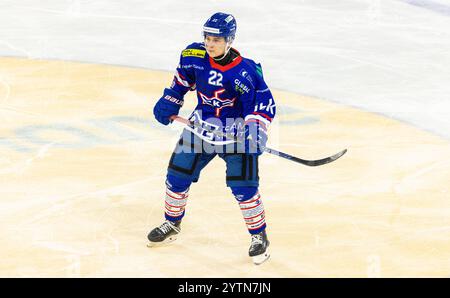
(246, 75)
(243, 73)
(193, 66)
(204, 128)
(241, 87)
(217, 102)
(193, 53)
(270, 107)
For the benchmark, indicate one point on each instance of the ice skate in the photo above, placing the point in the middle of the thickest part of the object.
(259, 248)
(164, 234)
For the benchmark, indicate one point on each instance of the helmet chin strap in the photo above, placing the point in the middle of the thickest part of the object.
(227, 49)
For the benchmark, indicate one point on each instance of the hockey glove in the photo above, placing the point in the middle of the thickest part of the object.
(169, 104)
(255, 137)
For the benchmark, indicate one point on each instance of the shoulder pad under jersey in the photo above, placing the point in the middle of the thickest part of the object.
(196, 49)
(256, 68)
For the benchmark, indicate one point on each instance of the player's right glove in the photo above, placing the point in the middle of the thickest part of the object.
(169, 104)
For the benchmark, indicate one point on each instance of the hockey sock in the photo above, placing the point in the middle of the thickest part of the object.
(175, 204)
(252, 208)
(176, 197)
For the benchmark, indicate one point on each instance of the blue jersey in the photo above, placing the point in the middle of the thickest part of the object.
(236, 91)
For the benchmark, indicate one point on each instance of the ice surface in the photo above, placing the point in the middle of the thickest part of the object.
(390, 57)
(381, 210)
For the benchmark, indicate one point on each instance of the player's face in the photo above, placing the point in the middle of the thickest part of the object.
(215, 46)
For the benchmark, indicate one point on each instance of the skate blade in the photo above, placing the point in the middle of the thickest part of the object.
(162, 243)
(259, 259)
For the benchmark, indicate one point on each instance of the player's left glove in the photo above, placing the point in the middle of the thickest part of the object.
(255, 137)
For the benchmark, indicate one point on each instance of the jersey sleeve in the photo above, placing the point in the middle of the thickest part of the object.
(259, 105)
(184, 77)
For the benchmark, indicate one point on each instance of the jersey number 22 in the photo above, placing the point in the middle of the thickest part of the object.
(215, 78)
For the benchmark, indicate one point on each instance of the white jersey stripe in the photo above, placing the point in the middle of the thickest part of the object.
(181, 81)
(261, 91)
(257, 117)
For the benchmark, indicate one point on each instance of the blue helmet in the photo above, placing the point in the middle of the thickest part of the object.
(222, 25)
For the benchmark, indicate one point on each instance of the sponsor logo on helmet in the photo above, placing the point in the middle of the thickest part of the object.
(211, 30)
(229, 19)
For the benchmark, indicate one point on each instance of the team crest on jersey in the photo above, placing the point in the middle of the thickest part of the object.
(193, 53)
(217, 102)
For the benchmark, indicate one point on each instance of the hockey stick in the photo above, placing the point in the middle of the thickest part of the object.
(311, 163)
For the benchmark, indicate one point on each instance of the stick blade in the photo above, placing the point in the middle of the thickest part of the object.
(319, 162)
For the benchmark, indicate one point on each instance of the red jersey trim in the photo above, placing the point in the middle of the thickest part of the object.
(264, 115)
(226, 67)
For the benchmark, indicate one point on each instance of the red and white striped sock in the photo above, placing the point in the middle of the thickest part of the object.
(175, 204)
(253, 213)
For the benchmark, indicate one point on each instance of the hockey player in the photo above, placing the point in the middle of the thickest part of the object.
(232, 98)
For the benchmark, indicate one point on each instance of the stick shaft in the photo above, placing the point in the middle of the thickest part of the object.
(311, 163)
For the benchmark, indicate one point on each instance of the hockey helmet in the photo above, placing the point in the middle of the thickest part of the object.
(222, 25)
